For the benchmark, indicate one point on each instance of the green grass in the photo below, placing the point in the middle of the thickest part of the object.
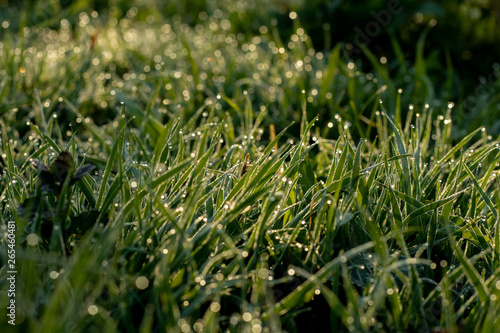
(357, 215)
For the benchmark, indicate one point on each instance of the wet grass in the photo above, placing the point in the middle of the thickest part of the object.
(242, 183)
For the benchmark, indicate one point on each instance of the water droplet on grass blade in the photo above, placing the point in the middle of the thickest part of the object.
(142, 282)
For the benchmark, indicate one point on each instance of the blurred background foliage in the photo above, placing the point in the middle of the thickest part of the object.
(439, 50)
(468, 29)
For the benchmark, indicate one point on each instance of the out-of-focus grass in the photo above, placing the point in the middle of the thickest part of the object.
(363, 213)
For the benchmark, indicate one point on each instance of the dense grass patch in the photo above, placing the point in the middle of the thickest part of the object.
(241, 183)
